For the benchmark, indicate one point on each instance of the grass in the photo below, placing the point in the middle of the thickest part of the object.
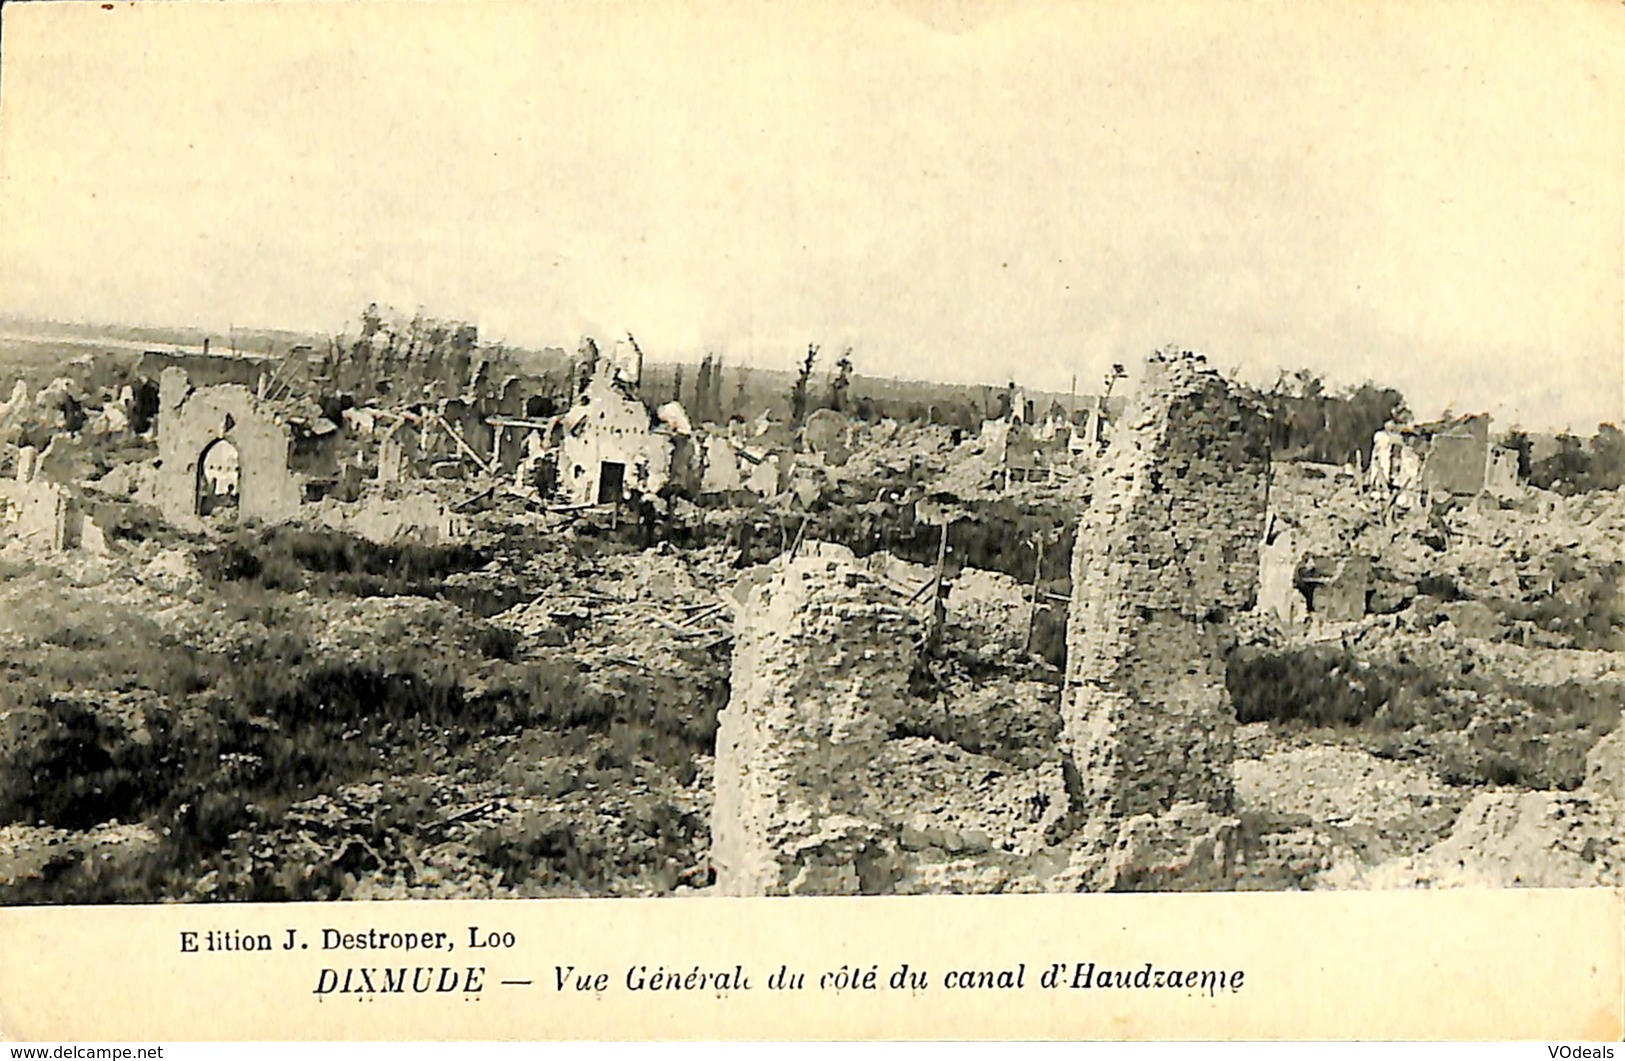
(1475, 728)
(291, 558)
(213, 750)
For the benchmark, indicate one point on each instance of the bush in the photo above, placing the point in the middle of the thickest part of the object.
(293, 558)
(81, 769)
(1474, 729)
(1319, 687)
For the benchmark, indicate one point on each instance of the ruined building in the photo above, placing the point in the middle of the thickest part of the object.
(1445, 458)
(1166, 550)
(222, 446)
(610, 447)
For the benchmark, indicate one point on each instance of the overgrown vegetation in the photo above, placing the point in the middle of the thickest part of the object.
(221, 752)
(1579, 466)
(1475, 728)
(1307, 422)
(293, 558)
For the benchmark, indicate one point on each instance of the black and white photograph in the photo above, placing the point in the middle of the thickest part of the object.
(664, 450)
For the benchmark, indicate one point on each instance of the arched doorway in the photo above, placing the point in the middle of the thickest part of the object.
(219, 478)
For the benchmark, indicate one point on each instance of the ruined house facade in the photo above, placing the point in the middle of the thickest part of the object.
(609, 448)
(193, 424)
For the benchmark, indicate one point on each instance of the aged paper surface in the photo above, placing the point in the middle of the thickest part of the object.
(1468, 964)
(258, 79)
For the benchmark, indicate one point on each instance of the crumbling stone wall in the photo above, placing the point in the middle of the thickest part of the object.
(33, 508)
(44, 513)
(189, 421)
(819, 663)
(1166, 550)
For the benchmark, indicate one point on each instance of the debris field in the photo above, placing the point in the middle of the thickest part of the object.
(259, 645)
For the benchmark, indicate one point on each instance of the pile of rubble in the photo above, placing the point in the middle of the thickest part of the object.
(1315, 810)
(1526, 839)
(1335, 551)
(634, 608)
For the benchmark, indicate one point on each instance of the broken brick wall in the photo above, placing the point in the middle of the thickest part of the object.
(1166, 550)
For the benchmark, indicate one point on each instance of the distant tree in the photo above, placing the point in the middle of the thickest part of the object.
(461, 342)
(1309, 423)
(1519, 442)
(841, 382)
(1352, 420)
(702, 385)
(1607, 458)
(1007, 402)
(396, 353)
(1303, 383)
(739, 395)
(713, 396)
(677, 384)
(1117, 372)
(798, 392)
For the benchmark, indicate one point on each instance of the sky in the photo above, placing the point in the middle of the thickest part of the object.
(1424, 194)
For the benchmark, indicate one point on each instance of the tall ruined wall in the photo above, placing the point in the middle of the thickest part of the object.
(1167, 547)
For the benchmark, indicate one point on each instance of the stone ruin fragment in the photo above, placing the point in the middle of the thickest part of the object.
(822, 655)
(1165, 552)
(45, 513)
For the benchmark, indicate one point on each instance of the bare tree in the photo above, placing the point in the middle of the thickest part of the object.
(798, 393)
(841, 382)
(1118, 372)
